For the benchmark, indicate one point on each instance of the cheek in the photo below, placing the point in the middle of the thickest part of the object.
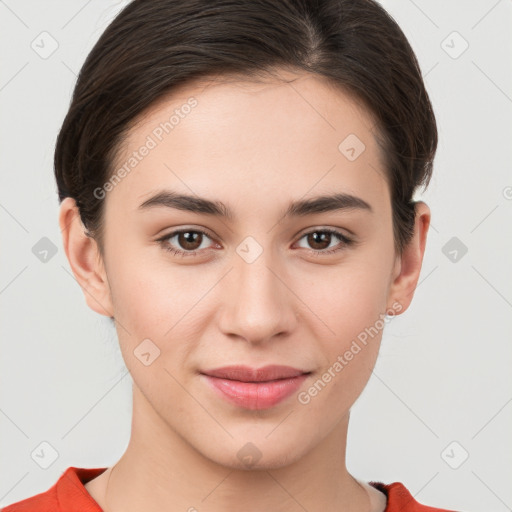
(154, 308)
(350, 306)
(147, 301)
(346, 299)
(146, 286)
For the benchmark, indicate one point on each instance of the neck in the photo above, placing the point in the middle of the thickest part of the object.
(161, 471)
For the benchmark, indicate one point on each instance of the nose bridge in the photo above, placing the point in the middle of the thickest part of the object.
(257, 277)
(259, 306)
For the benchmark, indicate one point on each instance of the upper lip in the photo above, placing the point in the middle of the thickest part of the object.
(248, 374)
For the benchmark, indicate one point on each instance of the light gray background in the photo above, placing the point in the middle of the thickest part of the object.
(444, 371)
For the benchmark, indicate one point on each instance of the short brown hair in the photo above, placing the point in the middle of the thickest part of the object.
(152, 47)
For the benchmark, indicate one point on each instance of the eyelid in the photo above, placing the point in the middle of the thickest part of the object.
(299, 235)
(337, 230)
(176, 230)
(345, 241)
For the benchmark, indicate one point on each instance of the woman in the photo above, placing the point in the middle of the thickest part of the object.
(236, 182)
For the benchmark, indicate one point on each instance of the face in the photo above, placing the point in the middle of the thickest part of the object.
(269, 284)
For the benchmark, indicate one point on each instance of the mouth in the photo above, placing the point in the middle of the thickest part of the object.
(252, 388)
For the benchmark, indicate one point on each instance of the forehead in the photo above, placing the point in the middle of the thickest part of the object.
(292, 136)
(238, 99)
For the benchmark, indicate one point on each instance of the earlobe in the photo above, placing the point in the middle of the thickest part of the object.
(84, 259)
(409, 264)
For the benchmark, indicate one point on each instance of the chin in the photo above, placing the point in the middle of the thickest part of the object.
(255, 453)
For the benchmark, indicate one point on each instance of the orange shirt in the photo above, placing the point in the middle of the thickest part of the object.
(68, 494)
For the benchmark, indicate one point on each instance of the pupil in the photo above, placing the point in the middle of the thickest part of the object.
(189, 239)
(317, 239)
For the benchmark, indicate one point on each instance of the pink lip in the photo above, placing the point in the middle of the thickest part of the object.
(255, 388)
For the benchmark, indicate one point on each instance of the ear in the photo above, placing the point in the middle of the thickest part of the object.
(85, 259)
(408, 266)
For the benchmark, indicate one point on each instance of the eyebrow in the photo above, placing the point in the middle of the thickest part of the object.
(300, 208)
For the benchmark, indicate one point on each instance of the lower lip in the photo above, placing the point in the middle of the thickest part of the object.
(255, 395)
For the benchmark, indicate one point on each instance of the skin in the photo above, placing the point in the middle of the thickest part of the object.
(255, 147)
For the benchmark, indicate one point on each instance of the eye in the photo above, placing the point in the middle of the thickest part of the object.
(190, 240)
(321, 239)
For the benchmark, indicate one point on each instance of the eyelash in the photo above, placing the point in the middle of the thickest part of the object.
(346, 241)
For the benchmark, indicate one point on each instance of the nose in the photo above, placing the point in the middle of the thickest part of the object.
(257, 302)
